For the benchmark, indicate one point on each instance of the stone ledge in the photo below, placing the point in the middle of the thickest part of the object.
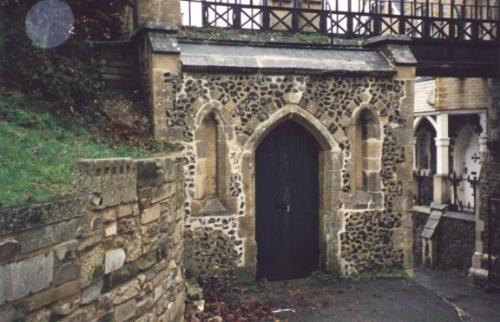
(17, 219)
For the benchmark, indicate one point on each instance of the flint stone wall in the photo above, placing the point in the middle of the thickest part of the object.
(359, 230)
(113, 253)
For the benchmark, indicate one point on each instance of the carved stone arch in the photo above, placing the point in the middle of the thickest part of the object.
(419, 119)
(212, 165)
(301, 116)
(330, 164)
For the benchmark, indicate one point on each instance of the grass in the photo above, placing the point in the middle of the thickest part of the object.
(380, 272)
(38, 149)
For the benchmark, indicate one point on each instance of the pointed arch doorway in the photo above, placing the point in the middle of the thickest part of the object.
(287, 203)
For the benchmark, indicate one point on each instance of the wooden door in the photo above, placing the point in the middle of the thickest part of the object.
(287, 203)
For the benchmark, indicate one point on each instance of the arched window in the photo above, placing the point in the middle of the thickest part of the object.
(425, 148)
(367, 152)
(211, 164)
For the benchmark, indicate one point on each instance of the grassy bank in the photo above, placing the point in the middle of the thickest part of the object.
(38, 149)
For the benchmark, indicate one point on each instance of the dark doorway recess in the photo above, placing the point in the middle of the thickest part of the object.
(287, 203)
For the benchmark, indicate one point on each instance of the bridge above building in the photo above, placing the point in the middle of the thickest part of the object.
(448, 37)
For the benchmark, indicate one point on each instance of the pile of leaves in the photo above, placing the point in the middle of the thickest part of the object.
(218, 311)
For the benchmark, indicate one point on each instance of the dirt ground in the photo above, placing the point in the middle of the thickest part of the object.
(310, 300)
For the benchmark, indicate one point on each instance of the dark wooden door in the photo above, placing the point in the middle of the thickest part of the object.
(287, 203)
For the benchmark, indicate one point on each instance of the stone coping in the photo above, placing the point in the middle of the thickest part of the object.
(250, 59)
(256, 38)
(464, 216)
(15, 219)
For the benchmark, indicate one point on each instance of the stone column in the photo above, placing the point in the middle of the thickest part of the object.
(441, 186)
(158, 12)
(483, 138)
(159, 58)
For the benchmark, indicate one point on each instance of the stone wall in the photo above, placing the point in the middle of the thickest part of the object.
(453, 239)
(360, 230)
(455, 244)
(115, 253)
(419, 220)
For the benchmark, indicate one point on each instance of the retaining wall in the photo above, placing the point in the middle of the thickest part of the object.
(112, 253)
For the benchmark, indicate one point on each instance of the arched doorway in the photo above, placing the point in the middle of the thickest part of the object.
(287, 203)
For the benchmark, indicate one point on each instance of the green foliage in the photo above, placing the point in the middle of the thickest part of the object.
(38, 149)
(380, 272)
(322, 277)
(67, 75)
(256, 288)
(97, 273)
(313, 38)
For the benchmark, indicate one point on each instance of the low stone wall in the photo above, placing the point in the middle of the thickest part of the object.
(455, 245)
(454, 240)
(113, 253)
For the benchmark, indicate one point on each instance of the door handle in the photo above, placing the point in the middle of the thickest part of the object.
(283, 206)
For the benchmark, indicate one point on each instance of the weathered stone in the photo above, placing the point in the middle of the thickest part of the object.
(144, 305)
(66, 272)
(91, 293)
(38, 215)
(21, 278)
(150, 173)
(146, 261)
(9, 248)
(118, 277)
(114, 259)
(92, 266)
(150, 214)
(110, 230)
(48, 235)
(125, 292)
(66, 306)
(125, 311)
(51, 295)
(96, 223)
(66, 250)
(89, 242)
(115, 180)
(109, 215)
(126, 210)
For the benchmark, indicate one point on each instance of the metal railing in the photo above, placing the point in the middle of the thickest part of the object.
(457, 202)
(428, 20)
(425, 187)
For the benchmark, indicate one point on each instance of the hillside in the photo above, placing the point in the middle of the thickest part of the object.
(39, 147)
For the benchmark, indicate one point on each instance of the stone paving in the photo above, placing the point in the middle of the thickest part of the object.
(473, 303)
(353, 301)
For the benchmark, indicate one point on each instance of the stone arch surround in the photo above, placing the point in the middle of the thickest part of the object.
(329, 152)
(355, 236)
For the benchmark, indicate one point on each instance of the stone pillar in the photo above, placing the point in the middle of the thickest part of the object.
(413, 142)
(159, 61)
(158, 12)
(441, 186)
(483, 138)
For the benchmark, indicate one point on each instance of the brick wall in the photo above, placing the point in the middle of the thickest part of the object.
(113, 253)
(462, 93)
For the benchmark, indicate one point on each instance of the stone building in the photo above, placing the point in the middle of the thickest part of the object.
(234, 100)
(455, 123)
(298, 158)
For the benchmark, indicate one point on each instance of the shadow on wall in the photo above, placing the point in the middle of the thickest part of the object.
(210, 256)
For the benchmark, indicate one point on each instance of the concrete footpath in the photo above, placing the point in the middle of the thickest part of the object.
(473, 304)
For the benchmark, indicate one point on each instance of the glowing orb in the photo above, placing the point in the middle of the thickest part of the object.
(49, 23)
